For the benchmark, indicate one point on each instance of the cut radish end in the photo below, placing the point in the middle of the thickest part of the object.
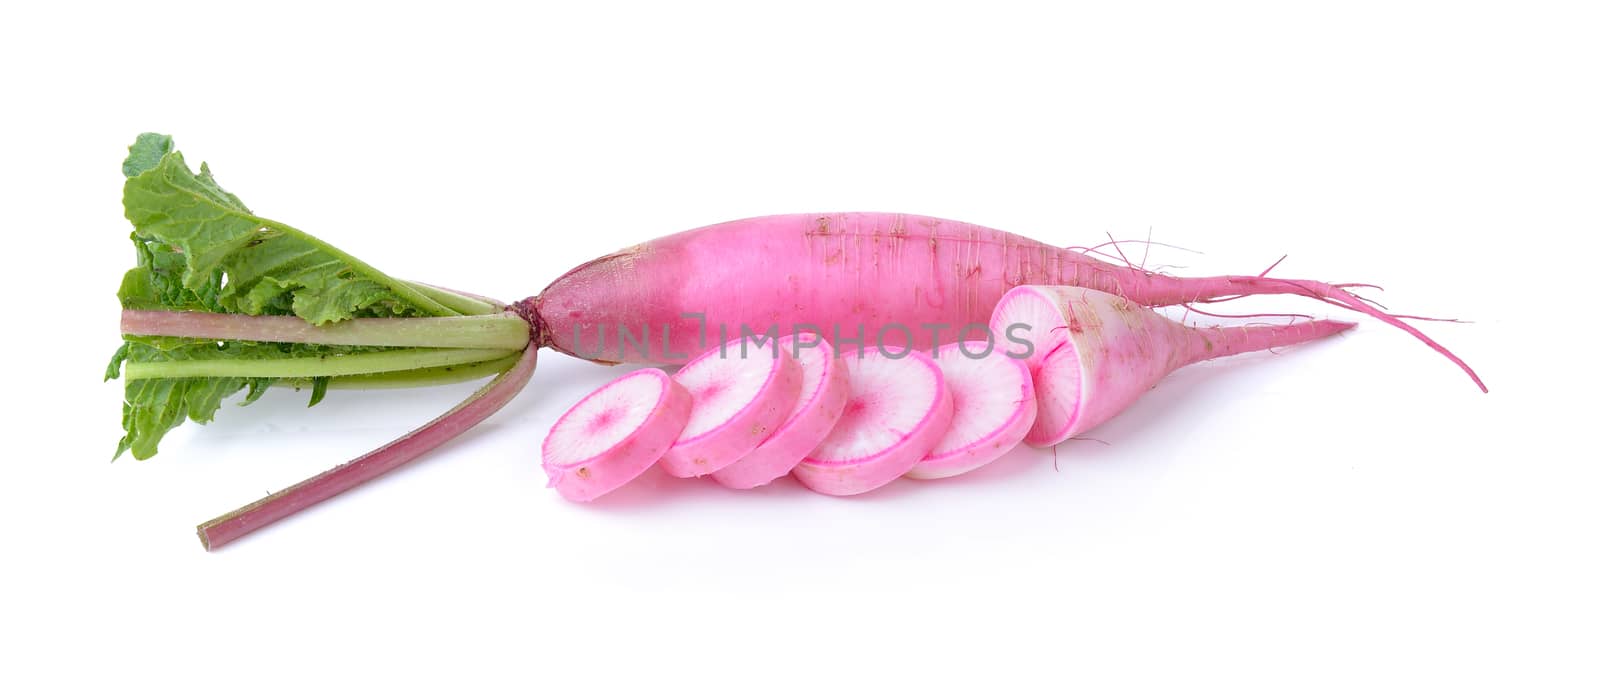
(993, 408)
(897, 411)
(615, 434)
(742, 393)
(1093, 353)
(824, 388)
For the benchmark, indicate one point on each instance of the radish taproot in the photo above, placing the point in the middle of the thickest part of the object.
(823, 391)
(898, 409)
(858, 278)
(742, 393)
(614, 434)
(1093, 353)
(993, 408)
(880, 279)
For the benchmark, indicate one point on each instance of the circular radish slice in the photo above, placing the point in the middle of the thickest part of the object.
(824, 387)
(898, 410)
(615, 434)
(742, 393)
(994, 406)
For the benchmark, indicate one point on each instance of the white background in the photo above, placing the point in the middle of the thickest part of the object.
(1352, 504)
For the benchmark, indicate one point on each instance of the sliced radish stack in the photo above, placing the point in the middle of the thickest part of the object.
(742, 393)
(823, 390)
(994, 407)
(615, 434)
(898, 409)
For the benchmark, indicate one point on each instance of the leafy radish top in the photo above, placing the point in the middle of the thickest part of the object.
(199, 249)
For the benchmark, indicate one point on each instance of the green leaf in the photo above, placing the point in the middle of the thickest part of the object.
(319, 388)
(198, 248)
(201, 249)
(145, 153)
(258, 387)
(152, 407)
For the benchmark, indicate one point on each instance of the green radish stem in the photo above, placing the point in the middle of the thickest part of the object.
(309, 367)
(498, 331)
(460, 302)
(410, 378)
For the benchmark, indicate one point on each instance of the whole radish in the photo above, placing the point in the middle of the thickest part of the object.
(1093, 353)
(858, 278)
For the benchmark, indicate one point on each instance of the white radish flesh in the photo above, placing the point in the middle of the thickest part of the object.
(993, 403)
(898, 410)
(614, 434)
(742, 393)
(824, 388)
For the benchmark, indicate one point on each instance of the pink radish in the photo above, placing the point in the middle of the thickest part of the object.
(742, 393)
(993, 403)
(823, 391)
(899, 407)
(1092, 353)
(614, 434)
(854, 276)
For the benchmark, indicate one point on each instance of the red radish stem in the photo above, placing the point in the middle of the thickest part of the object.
(742, 393)
(1094, 353)
(614, 434)
(487, 400)
(899, 407)
(823, 392)
(993, 403)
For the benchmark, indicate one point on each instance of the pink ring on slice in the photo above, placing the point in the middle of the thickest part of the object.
(742, 393)
(614, 434)
(824, 388)
(899, 407)
(994, 408)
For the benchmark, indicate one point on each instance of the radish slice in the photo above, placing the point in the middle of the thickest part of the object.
(823, 390)
(741, 395)
(994, 407)
(615, 434)
(898, 410)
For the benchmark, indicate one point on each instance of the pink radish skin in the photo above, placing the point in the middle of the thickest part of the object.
(852, 275)
(993, 404)
(897, 411)
(742, 394)
(1095, 353)
(614, 434)
(823, 392)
